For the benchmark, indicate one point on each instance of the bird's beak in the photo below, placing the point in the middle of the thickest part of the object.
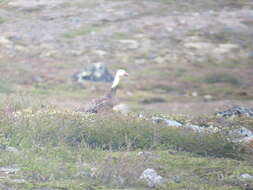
(126, 74)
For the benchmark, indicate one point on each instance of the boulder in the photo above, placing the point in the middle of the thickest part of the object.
(12, 169)
(151, 178)
(236, 111)
(97, 72)
(246, 177)
(172, 123)
(241, 135)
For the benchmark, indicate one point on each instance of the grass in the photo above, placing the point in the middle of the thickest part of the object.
(66, 149)
(80, 32)
(222, 78)
(2, 20)
(120, 35)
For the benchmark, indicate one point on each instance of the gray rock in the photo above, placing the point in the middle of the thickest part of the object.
(12, 149)
(130, 44)
(118, 181)
(172, 123)
(176, 179)
(97, 72)
(236, 111)
(144, 153)
(9, 169)
(195, 127)
(241, 135)
(33, 5)
(241, 132)
(121, 108)
(151, 178)
(246, 176)
(199, 45)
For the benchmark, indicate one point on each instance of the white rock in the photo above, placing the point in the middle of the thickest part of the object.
(151, 177)
(9, 169)
(194, 94)
(100, 53)
(199, 45)
(246, 176)
(144, 154)
(208, 97)
(131, 44)
(121, 108)
(195, 127)
(172, 123)
(12, 149)
(4, 40)
(29, 5)
(225, 48)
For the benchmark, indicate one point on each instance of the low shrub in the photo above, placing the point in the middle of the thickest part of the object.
(110, 132)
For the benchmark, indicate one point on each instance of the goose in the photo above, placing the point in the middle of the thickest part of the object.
(109, 100)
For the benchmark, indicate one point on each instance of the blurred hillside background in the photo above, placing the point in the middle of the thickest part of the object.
(189, 57)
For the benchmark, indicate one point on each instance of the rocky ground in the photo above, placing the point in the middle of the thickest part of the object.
(180, 54)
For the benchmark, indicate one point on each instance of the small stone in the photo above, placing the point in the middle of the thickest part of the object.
(169, 29)
(4, 41)
(121, 108)
(236, 111)
(12, 149)
(9, 169)
(131, 44)
(194, 94)
(195, 14)
(100, 53)
(241, 135)
(176, 179)
(225, 48)
(144, 153)
(199, 45)
(208, 97)
(246, 176)
(151, 178)
(18, 181)
(195, 127)
(172, 123)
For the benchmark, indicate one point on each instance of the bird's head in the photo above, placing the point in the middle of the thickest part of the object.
(121, 73)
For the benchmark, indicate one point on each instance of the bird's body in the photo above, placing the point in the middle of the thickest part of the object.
(109, 100)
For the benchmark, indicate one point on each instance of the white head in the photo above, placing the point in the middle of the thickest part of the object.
(120, 73)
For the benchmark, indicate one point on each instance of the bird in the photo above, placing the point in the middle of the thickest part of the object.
(109, 100)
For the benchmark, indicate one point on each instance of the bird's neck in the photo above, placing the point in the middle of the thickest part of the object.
(114, 86)
(115, 82)
(113, 92)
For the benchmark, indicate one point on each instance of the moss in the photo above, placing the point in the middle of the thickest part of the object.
(80, 32)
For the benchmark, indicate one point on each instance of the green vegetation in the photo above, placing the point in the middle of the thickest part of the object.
(66, 149)
(80, 32)
(1, 19)
(120, 35)
(222, 78)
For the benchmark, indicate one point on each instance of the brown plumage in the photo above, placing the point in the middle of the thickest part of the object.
(109, 100)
